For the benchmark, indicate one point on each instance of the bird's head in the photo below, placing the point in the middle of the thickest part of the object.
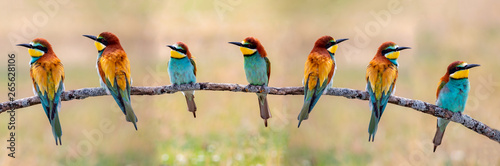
(179, 50)
(390, 50)
(37, 48)
(250, 45)
(328, 43)
(103, 40)
(459, 69)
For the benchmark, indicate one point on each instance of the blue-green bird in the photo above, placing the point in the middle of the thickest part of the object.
(182, 70)
(452, 94)
(257, 70)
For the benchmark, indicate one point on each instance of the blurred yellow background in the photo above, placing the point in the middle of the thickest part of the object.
(228, 129)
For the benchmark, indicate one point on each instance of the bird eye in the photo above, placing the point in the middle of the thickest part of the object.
(251, 46)
(331, 43)
(102, 41)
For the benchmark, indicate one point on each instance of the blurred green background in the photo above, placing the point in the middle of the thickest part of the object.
(228, 129)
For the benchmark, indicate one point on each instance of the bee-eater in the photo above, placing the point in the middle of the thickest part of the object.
(113, 68)
(257, 69)
(318, 73)
(47, 74)
(452, 94)
(182, 70)
(381, 75)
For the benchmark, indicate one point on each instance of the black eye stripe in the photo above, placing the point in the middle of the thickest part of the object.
(387, 51)
(455, 69)
(251, 46)
(102, 40)
(41, 48)
(329, 44)
(182, 50)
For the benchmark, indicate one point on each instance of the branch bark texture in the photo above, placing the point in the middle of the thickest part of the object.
(418, 105)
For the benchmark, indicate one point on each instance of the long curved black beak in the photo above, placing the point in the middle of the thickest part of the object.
(402, 48)
(91, 37)
(340, 40)
(236, 43)
(172, 47)
(25, 45)
(468, 66)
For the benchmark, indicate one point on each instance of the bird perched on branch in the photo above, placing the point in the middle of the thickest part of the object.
(257, 70)
(318, 73)
(452, 94)
(182, 70)
(113, 68)
(381, 75)
(47, 73)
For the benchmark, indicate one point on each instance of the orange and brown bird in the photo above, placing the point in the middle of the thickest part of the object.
(47, 74)
(318, 73)
(113, 68)
(381, 75)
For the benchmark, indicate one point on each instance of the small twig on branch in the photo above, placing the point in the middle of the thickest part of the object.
(418, 105)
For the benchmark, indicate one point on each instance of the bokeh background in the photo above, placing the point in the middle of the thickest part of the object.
(228, 129)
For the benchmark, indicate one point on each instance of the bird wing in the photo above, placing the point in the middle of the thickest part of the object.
(381, 80)
(48, 80)
(317, 75)
(440, 86)
(318, 69)
(115, 67)
(194, 65)
(268, 64)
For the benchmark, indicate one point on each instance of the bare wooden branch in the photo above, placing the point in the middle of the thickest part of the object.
(418, 105)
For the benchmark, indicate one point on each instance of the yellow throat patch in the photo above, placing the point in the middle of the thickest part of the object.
(175, 54)
(247, 51)
(333, 48)
(393, 55)
(99, 46)
(35, 52)
(460, 74)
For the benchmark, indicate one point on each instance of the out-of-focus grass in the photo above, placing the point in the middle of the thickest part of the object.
(228, 129)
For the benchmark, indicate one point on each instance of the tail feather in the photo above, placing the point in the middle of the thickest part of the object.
(56, 129)
(264, 108)
(440, 128)
(304, 113)
(372, 128)
(129, 114)
(310, 99)
(190, 102)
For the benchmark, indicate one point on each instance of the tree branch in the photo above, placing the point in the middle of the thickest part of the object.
(418, 105)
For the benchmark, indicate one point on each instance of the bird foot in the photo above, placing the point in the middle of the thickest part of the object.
(246, 88)
(262, 88)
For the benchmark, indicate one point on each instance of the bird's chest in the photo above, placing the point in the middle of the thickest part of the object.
(255, 70)
(181, 71)
(454, 94)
